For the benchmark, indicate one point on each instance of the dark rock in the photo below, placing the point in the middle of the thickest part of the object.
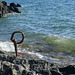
(39, 66)
(19, 61)
(37, 62)
(13, 8)
(55, 72)
(17, 10)
(4, 9)
(27, 72)
(11, 65)
(1, 52)
(30, 73)
(7, 70)
(5, 3)
(45, 72)
(13, 5)
(0, 14)
(68, 70)
(18, 5)
(24, 72)
(11, 58)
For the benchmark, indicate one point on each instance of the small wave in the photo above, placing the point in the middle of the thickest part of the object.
(60, 43)
(27, 5)
(14, 13)
(8, 47)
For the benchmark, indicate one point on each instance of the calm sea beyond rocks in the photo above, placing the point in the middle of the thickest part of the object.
(27, 64)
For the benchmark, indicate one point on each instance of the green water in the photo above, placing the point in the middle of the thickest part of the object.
(47, 25)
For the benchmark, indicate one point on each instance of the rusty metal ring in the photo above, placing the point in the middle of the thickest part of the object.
(12, 39)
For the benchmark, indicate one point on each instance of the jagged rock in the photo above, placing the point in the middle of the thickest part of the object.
(0, 14)
(25, 72)
(17, 10)
(14, 9)
(18, 5)
(22, 65)
(68, 69)
(5, 3)
(19, 61)
(13, 5)
(5, 9)
(45, 72)
(55, 72)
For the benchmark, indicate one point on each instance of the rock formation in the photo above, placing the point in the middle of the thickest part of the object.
(29, 65)
(5, 9)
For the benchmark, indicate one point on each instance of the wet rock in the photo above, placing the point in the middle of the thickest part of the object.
(40, 66)
(5, 9)
(13, 5)
(14, 8)
(19, 61)
(23, 65)
(8, 68)
(18, 5)
(68, 69)
(0, 14)
(55, 73)
(25, 72)
(2, 52)
(45, 72)
(17, 10)
(4, 3)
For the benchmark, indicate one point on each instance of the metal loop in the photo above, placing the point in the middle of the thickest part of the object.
(15, 42)
(12, 39)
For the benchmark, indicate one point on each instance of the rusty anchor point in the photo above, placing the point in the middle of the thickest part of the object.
(15, 42)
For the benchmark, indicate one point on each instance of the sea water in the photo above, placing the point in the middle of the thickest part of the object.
(48, 26)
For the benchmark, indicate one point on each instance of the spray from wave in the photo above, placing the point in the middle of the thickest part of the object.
(6, 46)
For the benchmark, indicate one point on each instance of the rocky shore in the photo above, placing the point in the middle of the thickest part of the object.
(30, 65)
(27, 64)
(5, 9)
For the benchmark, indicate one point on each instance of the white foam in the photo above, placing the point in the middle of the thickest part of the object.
(36, 54)
(7, 46)
(43, 57)
(39, 55)
(32, 53)
(27, 5)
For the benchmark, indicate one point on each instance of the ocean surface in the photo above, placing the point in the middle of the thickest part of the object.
(48, 26)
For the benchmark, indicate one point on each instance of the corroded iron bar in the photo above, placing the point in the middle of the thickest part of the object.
(15, 42)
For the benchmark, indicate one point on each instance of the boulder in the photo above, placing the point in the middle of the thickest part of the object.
(68, 69)
(0, 14)
(18, 5)
(17, 10)
(13, 5)
(5, 3)
(5, 9)
(22, 65)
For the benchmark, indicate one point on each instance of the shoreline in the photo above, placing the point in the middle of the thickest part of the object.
(31, 65)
